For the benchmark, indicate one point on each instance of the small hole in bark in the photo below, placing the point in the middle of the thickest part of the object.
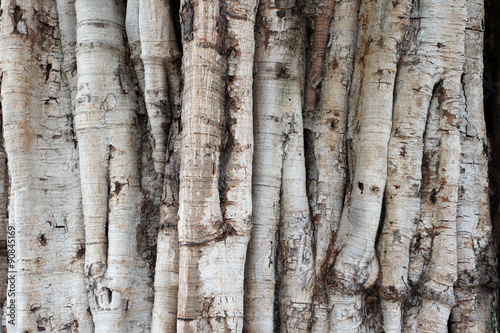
(433, 196)
(361, 186)
(47, 71)
(437, 87)
(42, 240)
(402, 152)
(109, 293)
(81, 252)
(18, 15)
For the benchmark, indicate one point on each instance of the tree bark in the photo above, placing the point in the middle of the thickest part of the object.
(249, 166)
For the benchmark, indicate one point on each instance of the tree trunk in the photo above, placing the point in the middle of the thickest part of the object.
(249, 166)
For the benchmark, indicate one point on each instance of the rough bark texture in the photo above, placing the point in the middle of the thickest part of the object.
(249, 166)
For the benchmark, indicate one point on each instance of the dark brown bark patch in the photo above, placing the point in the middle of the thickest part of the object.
(361, 186)
(187, 17)
(16, 16)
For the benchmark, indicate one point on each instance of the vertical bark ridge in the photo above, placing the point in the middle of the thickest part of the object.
(277, 89)
(326, 159)
(355, 266)
(107, 130)
(208, 238)
(237, 151)
(36, 106)
(162, 90)
(159, 53)
(67, 27)
(476, 272)
(415, 86)
(17, 101)
(322, 15)
(296, 263)
(413, 95)
(441, 44)
(166, 283)
(422, 241)
(436, 288)
(132, 26)
(295, 267)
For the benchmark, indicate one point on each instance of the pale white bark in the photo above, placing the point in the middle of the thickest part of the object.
(416, 84)
(105, 121)
(17, 103)
(214, 233)
(201, 229)
(408, 109)
(441, 43)
(45, 203)
(67, 26)
(238, 148)
(159, 55)
(277, 107)
(472, 312)
(295, 258)
(132, 25)
(355, 267)
(327, 174)
(422, 241)
(166, 283)
(159, 51)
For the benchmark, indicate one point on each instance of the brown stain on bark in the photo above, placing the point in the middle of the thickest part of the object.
(221, 28)
(450, 118)
(118, 187)
(316, 219)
